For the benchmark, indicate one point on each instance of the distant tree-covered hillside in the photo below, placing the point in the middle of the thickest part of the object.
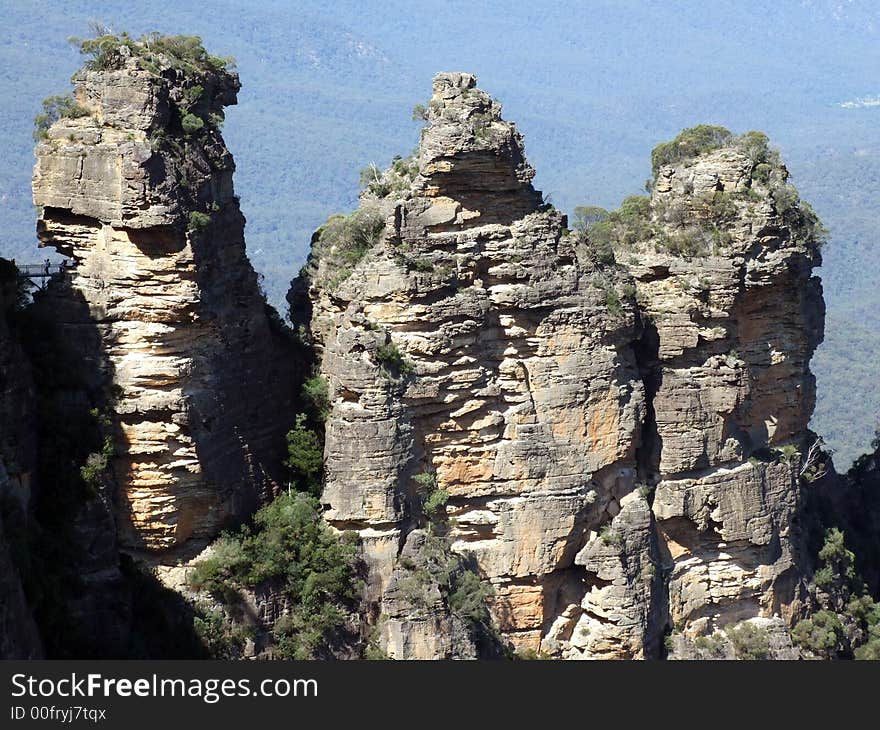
(328, 88)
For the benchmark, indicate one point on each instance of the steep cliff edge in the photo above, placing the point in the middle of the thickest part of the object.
(612, 473)
(135, 187)
(587, 443)
(722, 256)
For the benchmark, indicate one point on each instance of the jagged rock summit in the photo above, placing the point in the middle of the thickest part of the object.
(584, 442)
(134, 184)
(613, 470)
(469, 354)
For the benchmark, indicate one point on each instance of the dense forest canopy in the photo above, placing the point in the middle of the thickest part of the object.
(328, 89)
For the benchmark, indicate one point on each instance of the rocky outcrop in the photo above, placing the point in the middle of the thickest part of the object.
(586, 444)
(614, 473)
(732, 316)
(416, 620)
(470, 352)
(136, 190)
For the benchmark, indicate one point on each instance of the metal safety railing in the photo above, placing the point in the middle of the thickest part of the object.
(39, 274)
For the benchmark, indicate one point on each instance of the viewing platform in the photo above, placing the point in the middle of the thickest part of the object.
(40, 274)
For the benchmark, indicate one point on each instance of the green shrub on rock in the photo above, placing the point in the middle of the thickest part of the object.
(198, 221)
(392, 361)
(756, 146)
(55, 108)
(305, 456)
(290, 549)
(822, 634)
(690, 143)
(316, 395)
(847, 622)
(191, 123)
(749, 641)
(152, 51)
(712, 646)
(462, 589)
(339, 244)
(586, 216)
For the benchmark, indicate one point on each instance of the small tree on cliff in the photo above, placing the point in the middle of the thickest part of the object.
(305, 456)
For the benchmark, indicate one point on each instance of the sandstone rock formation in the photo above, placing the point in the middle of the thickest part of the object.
(137, 191)
(732, 316)
(586, 444)
(514, 391)
(613, 473)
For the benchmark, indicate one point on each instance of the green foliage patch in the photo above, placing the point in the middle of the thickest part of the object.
(698, 225)
(290, 549)
(305, 456)
(847, 623)
(822, 634)
(689, 144)
(433, 499)
(199, 221)
(392, 361)
(713, 646)
(316, 395)
(460, 586)
(153, 51)
(396, 179)
(749, 641)
(192, 123)
(55, 108)
(341, 243)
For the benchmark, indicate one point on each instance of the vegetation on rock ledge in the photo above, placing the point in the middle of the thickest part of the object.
(847, 622)
(55, 108)
(690, 143)
(699, 225)
(153, 51)
(291, 551)
(461, 589)
(339, 244)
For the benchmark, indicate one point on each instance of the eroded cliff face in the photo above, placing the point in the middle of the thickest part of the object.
(613, 473)
(732, 316)
(598, 435)
(161, 299)
(470, 352)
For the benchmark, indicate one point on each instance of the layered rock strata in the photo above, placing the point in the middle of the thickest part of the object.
(137, 192)
(470, 352)
(732, 316)
(613, 473)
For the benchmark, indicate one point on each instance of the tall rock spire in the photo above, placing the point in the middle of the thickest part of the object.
(134, 184)
(470, 357)
(723, 269)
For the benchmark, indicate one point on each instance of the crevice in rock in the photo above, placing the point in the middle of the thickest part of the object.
(650, 443)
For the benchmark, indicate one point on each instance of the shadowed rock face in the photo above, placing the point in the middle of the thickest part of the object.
(596, 457)
(199, 386)
(19, 638)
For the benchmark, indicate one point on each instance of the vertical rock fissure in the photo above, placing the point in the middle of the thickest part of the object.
(648, 458)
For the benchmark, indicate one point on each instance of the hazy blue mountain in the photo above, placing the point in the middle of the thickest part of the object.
(329, 88)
